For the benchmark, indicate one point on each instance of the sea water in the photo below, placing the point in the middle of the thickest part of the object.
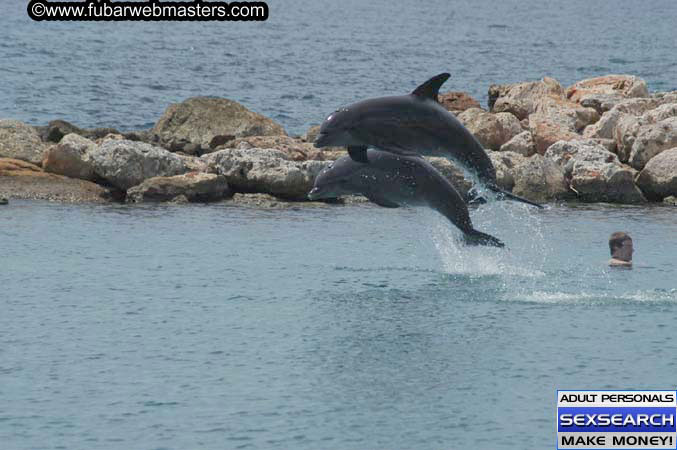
(213, 326)
(343, 327)
(313, 56)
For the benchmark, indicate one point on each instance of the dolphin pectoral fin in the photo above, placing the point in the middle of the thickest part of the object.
(511, 196)
(358, 154)
(431, 88)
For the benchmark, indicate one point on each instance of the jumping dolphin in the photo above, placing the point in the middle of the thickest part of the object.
(414, 124)
(391, 181)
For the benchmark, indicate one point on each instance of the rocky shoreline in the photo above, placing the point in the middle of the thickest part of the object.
(604, 139)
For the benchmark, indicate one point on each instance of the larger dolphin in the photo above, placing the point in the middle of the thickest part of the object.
(393, 180)
(413, 124)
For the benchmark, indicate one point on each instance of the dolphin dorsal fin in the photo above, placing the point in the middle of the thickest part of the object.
(431, 88)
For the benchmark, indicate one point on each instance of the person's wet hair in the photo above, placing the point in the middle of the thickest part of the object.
(617, 239)
(620, 245)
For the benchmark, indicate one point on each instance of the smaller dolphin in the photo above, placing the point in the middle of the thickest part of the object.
(410, 125)
(391, 181)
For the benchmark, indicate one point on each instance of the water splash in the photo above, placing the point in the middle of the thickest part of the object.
(657, 296)
(519, 226)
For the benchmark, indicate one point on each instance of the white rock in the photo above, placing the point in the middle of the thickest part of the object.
(265, 171)
(20, 141)
(125, 163)
(651, 140)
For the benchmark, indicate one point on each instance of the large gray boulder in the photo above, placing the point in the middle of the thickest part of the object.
(194, 186)
(125, 163)
(523, 143)
(535, 178)
(625, 134)
(546, 98)
(505, 164)
(207, 122)
(521, 99)
(661, 112)
(193, 163)
(665, 97)
(566, 114)
(265, 171)
(70, 157)
(651, 140)
(539, 179)
(545, 132)
(606, 125)
(295, 148)
(658, 179)
(608, 144)
(491, 130)
(628, 123)
(20, 141)
(595, 173)
(603, 93)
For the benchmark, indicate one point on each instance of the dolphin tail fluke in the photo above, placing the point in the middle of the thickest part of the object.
(511, 196)
(475, 237)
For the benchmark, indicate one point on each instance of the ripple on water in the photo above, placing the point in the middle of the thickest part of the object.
(652, 296)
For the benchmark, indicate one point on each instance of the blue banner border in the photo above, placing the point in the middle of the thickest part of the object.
(598, 390)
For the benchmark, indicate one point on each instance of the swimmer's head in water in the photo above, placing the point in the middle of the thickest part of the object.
(620, 245)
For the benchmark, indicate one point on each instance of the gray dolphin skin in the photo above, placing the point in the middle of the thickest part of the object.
(413, 124)
(391, 181)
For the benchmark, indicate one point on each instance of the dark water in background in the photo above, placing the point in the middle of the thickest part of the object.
(348, 328)
(312, 56)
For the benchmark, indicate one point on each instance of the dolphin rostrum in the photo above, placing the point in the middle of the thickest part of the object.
(410, 125)
(391, 181)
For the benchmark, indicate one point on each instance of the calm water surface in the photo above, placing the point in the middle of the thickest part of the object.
(344, 327)
(347, 327)
(312, 56)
